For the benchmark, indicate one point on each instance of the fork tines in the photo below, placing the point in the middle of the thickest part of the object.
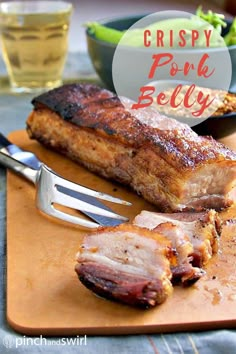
(57, 187)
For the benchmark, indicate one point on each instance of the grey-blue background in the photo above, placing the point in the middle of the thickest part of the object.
(13, 112)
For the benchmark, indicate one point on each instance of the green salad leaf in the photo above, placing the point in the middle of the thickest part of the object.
(230, 37)
(215, 19)
(104, 33)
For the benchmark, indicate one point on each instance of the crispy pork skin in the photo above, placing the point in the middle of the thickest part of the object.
(160, 158)
(195, 236)
(127, 264)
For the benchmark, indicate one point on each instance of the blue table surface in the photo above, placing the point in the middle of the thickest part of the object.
(13, 112)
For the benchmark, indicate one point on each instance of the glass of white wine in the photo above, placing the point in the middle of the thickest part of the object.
(34, 37)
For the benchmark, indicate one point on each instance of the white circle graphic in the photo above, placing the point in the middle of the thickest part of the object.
(175, 62)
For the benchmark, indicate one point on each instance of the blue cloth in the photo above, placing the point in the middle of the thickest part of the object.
(13, 112)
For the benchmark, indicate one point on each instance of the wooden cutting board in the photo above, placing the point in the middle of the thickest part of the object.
(44, 295)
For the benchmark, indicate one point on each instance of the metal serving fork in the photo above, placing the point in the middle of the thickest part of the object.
(50, 190)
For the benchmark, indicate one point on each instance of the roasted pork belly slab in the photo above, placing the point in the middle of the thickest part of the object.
(195, 236)
(160, 158)
(127, 264)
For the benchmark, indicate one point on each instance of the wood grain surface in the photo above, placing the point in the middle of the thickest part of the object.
(44, 295)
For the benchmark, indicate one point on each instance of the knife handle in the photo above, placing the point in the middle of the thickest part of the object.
(27, 157)
(4, 142)
(7, 147)
(18, 167)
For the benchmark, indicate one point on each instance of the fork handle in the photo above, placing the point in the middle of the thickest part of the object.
(19, 167)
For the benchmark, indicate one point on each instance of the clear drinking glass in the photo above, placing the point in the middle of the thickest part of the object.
(34, 36)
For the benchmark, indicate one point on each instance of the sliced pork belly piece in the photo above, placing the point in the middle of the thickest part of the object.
(127, 264)
(229, 226)
(201, 230)
(183, 270)
(162, 159)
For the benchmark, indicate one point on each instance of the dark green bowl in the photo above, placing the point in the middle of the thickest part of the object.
(101, 54)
